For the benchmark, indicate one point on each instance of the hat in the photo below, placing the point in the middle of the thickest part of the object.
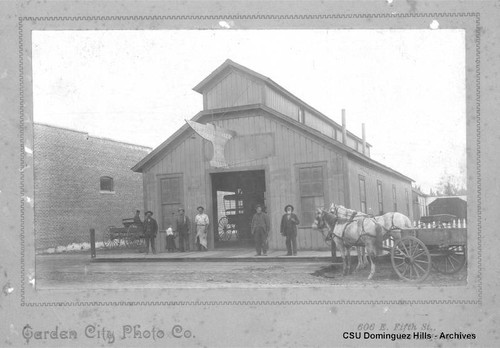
(180, 209)
(289, 206)
(148, 212)
(200, 207)
(258, 206)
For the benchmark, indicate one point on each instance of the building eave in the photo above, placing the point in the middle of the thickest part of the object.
(200, 87)
(204, 116)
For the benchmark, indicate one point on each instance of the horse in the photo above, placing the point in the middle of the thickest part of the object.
(391, 222)
(348, 231)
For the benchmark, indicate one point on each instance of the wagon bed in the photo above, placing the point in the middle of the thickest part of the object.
(442, 248)
(130, 234)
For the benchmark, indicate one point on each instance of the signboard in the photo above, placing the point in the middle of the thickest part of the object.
(217, 136)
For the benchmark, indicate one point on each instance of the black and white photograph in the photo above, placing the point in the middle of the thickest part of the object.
(249, 174)
(252, 149)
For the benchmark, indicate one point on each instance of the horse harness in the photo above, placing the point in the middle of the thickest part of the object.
(350, 221)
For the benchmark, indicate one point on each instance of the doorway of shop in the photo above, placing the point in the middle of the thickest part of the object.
(235, 195)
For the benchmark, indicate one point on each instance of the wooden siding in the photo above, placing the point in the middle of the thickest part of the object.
(291, 147)
(320, 125)
(371, 175)
(281, 104)
(234, 89)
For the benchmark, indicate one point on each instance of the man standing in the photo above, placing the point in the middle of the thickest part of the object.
(137, 218)
(201, 220)
(182, 224)
(288, 228)
(150, 229)
(260, 230)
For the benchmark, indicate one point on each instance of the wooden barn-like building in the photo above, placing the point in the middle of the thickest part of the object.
(277, 150)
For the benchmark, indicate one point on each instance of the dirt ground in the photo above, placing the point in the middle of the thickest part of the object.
(74, 270)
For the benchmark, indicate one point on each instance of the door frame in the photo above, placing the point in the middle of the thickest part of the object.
(209, 192)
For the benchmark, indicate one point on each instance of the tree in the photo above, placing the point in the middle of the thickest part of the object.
(451, 185)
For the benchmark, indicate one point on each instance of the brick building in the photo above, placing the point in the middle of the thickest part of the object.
(82, 182)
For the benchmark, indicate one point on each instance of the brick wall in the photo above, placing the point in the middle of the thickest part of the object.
(68, 200)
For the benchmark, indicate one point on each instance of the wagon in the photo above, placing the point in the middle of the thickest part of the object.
(130, 235)
(441, 247)
(231, 222)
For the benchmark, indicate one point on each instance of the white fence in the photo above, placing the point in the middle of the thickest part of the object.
(459, 223)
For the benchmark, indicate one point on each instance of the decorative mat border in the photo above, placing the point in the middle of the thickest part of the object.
(21, 21)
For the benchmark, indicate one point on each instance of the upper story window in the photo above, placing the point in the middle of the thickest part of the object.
(394, 198)
(107, 184)
(302, 116)
(407, 196)
(362, 193)
(380, 198)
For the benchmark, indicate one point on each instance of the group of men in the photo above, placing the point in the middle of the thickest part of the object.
(181, 227)
(260, 228)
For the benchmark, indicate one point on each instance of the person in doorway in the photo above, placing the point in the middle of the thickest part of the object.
(150, 230)
(260, 230)
(137, 218)
(288, 228)
(182, 224)
(201, 220)
(170, 240)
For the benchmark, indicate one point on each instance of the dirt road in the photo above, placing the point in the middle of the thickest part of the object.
(67, 271)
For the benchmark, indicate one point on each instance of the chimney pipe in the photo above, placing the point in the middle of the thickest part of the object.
(364, 138)
(344, 129)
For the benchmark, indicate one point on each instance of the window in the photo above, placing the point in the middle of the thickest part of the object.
(301, 116)
(171, 199)
(311, 193)
(362, 193)
(407, 202)
(380, 198)
(106, 184)
(394, 198)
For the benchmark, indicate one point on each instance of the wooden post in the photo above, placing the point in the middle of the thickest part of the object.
(364, 138)
(344, 128)
(92, 243)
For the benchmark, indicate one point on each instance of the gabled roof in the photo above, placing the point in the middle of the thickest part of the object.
(229, 64)
(312, 132)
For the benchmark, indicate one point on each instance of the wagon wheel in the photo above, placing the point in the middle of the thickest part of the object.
(411, 259)
(225, 229)
(110, 239)
(450, 260)
(134, 237)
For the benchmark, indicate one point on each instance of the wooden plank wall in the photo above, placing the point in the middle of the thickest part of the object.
(371, 176)
(291, 147)
(281, 104)
(233, 90)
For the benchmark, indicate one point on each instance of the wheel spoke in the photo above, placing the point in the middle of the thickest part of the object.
(421, 261)
(403, 273)
(406, 250)
(416, 270)
(417, 265)
(419, 254)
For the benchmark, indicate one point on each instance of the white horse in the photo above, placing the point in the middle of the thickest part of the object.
(348, 231)
(392, 224)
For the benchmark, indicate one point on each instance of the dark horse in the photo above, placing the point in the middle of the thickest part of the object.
(347, 231)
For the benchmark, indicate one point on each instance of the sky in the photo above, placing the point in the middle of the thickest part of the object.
(407, 86)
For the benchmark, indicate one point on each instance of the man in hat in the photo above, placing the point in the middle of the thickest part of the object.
(260, 229)
(202, 222)
(150, 229)
(288, 228)
(182, 224)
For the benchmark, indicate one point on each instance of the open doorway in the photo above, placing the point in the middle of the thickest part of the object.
(235, 195)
